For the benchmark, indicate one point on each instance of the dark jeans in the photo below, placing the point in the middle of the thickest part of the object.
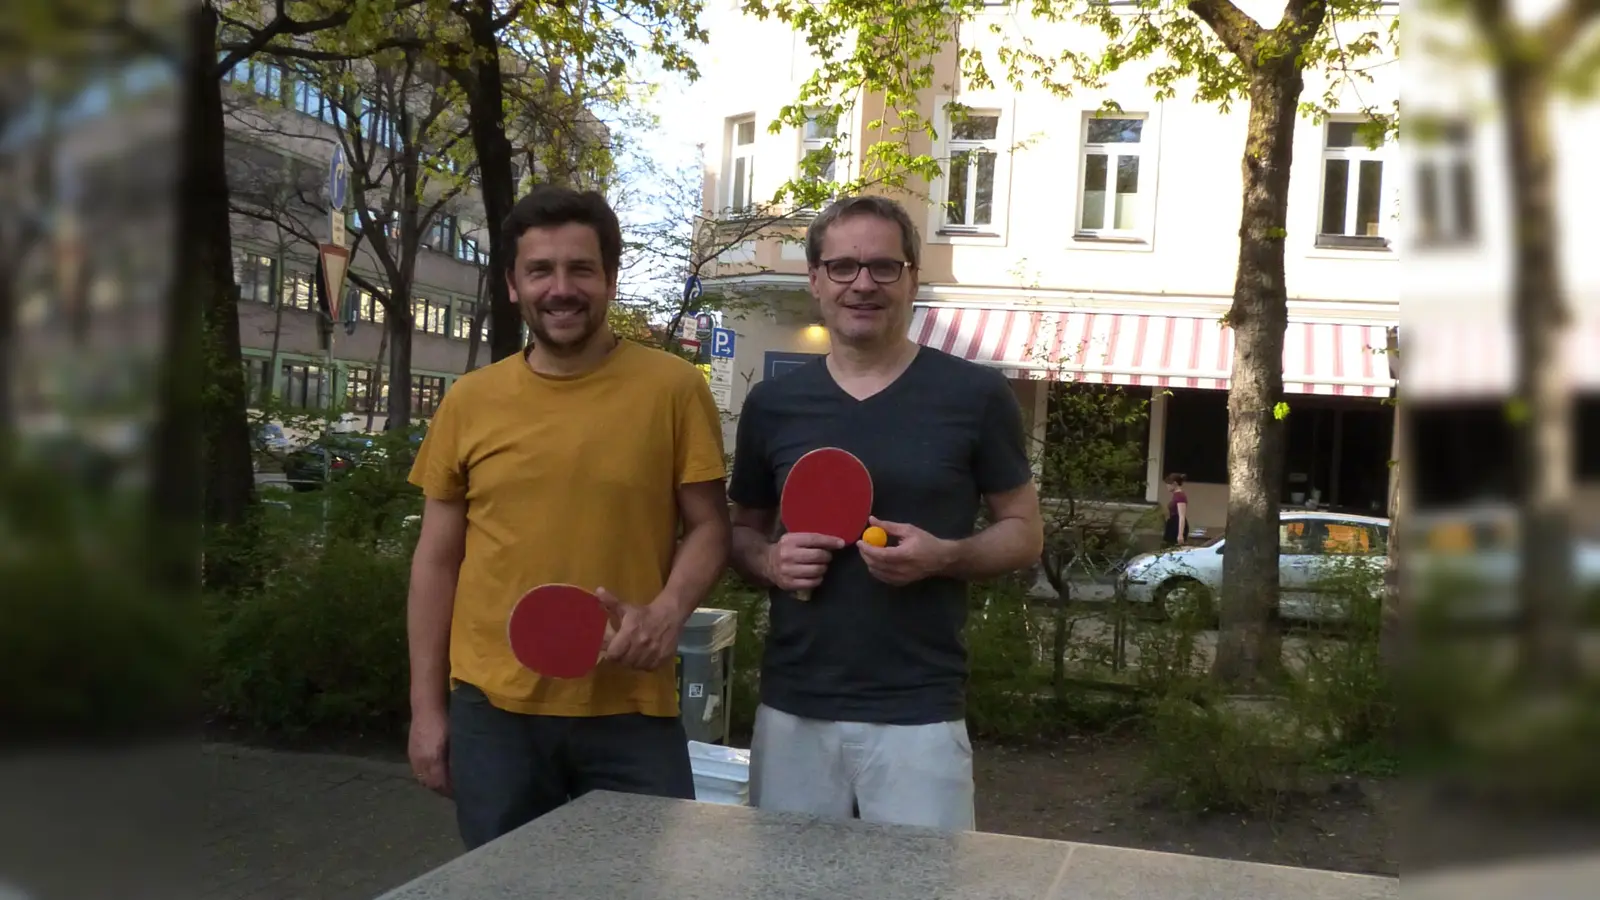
(508, 769)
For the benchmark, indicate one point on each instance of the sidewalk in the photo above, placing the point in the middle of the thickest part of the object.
(283, 826)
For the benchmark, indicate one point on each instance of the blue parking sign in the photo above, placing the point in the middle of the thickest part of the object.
(722, 343)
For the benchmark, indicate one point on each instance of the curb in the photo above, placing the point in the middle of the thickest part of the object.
(371, 766)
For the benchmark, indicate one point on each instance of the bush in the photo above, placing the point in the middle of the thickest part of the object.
(89, 648)
(1342, 690)
(1007, 682)
(322, 647)
(1216, 756)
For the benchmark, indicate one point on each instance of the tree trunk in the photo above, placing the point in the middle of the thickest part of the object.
(399, 410)
(8, 360)
(486, 112)
(203, 283)
(1249, 645)
(377, 375)
(1392, 635)
(277, 326)
(1543, 423)
(475, 342)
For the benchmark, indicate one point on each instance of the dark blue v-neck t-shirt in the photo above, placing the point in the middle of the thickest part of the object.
(942, 435)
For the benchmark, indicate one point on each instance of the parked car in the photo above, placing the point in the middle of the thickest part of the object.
(329, 456)
(269, 436)
(1468, 558)
(1316, 550)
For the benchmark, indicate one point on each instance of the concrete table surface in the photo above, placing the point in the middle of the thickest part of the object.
(608, 846)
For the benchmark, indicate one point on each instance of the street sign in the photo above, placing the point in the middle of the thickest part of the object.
(335, 262)
(722, 343)
(338, 178)
(723, 395)
(703, 324)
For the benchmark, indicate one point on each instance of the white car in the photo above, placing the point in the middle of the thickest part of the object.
(1318, 554)
(1467, 558)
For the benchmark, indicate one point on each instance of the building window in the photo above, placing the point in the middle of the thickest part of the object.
(816, 156)
(442, 235)
(970, 190)
(303, 385)
(430, 316)
(467, 251)
(461, 322)
(1446, 201)
(367, 307)
(742, 165)
(307, 97)
(1352, 189)
(257, 375)
(360, 395)
(1113, 154)
(298, 292)
(256, 277)
(426, 392)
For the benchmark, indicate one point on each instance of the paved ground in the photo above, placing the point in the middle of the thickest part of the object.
(90, 823)
(283, 826)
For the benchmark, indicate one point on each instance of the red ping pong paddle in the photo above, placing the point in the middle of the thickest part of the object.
(557, 630)
(828, 491)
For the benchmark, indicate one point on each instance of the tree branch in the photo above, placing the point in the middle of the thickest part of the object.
(1237, 31)
(1562, 30)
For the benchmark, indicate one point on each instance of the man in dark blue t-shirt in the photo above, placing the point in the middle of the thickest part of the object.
(863, 685)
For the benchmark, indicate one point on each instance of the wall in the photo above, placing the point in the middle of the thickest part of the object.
(783, 323)
(429, 352)
(1192, 163)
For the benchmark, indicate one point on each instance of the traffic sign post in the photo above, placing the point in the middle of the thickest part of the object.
(338, 189)
(722, 348)
(333, 262)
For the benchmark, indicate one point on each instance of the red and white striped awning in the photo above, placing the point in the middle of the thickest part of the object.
(1475, 359)
(1150, 350)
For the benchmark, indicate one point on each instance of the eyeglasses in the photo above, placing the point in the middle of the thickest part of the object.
(883, 271)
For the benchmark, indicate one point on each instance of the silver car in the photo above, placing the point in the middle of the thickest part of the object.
(1318, 555)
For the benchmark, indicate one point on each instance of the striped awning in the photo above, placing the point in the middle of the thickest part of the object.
(1151, 350)
(1475, 359)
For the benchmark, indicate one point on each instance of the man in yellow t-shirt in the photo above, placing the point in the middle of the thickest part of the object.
(577, 462)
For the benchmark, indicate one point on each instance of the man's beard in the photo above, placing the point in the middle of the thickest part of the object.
(570, 346)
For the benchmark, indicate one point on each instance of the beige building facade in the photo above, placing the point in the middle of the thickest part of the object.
(1072, 248)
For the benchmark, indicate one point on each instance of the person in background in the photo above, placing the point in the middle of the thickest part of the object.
(1177, 530)
(863, 686)
(575, 461)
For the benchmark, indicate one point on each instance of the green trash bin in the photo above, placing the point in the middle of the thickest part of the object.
(705, 674)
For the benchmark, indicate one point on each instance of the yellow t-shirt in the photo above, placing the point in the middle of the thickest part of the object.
(570, 480)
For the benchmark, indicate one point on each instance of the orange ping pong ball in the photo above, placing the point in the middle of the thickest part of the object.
(876, 536)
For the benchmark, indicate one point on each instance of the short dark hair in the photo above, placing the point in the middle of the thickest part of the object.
(549, 205)
(866, 205)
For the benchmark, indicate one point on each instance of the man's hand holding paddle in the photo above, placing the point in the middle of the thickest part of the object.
(643, 636)
(797, 561)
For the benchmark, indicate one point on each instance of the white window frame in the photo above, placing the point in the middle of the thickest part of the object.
(1384, 240)
(736, 152)
(1442, 158)
(1143, 230)
(995, 232)
(814, 140)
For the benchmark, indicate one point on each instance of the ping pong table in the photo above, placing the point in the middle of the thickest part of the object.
(610, 846)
